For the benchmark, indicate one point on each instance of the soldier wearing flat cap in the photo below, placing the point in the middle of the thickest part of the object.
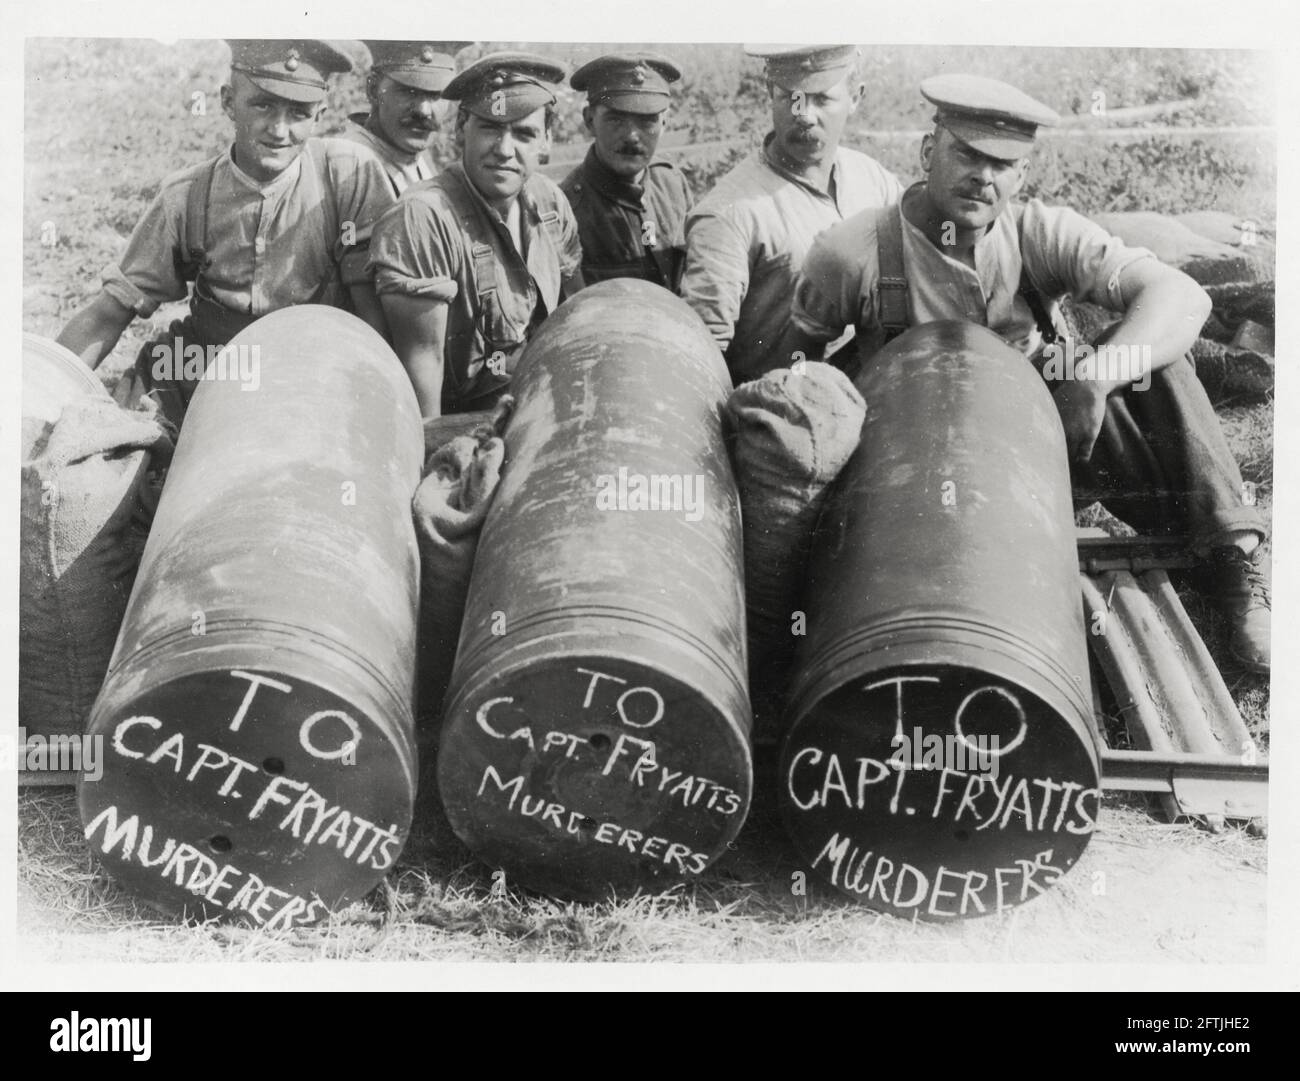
(281, 218)
(746, 239)
(1141, 433)
(404, 86)
(467, 265)
(631, 205)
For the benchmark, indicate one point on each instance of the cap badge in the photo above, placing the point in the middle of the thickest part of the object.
(426, 54)
(291, 60)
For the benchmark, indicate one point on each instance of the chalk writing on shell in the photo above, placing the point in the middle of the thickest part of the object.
(307, 735)
(626, 758)
(982, 695)
(293, 807)
(874, 876)
(636, 755)
(179, 863)
(556, 816)
(629, 757)
(817, 779)
(311, 817)
(949, 821)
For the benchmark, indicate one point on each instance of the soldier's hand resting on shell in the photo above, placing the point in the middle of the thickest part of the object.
(1082, 406)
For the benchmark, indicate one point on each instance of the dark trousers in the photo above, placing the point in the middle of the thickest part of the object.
(209, 324)
(1163, 465)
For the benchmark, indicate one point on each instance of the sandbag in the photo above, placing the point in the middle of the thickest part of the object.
(1231, 372)
(1168, 240)
(1236, 302)
(460, 477)
(791, 432)
(1243, 234)
(87, 499)
(1205, 259)
(441, 430)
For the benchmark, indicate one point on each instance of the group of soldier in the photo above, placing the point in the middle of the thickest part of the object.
(805, 250)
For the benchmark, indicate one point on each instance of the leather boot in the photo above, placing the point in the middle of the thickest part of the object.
(1240, 586)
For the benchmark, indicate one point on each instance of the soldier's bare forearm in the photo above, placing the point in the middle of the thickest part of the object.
(365, 303)
(1164, 313)
(426, 377)
(419, 329)
(93, 332)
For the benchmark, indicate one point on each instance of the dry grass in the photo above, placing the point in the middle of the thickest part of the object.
(439, 905)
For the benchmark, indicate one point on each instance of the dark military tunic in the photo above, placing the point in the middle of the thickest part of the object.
(630, 230)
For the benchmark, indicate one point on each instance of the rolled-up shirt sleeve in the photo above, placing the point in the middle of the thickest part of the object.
(412, 252)
(364, 196)
(716, 275)
(1066, 254)
(150, 272)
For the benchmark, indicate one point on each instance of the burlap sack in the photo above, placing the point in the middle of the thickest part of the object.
(791, 431)
(450, 504)
(87, 500)
(1229, 373)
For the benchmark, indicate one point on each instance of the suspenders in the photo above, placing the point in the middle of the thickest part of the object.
(194, 242)
(484, 256)
(893, 282)
(894, 316)
(486, 286)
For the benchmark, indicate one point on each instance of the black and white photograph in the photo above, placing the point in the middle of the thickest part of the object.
(577, 486)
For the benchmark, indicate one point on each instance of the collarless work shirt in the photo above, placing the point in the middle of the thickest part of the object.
(266, 243)
(629, 229)
(1063, 252)
(747, 239)
(401, 168)
(444, 242)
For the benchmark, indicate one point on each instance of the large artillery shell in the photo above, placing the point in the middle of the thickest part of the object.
(940, 760)
(597, 732)
(258, 756)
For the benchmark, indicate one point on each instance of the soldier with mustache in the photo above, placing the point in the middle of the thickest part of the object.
(1142, 437)
(747, 238)
(631, 205)
(404, 86)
